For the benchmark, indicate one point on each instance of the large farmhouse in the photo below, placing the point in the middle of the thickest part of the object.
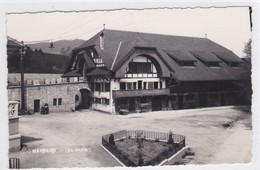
(139, 72)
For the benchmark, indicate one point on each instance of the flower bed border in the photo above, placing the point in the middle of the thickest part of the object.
(123, 160)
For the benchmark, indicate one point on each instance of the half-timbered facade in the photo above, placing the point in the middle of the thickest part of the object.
(140, 72)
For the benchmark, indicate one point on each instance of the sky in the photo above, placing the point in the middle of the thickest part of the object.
(229, 27)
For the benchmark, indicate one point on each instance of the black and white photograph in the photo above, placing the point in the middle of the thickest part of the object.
(129, 87)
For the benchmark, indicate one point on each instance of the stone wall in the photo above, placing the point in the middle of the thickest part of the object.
(48, 93)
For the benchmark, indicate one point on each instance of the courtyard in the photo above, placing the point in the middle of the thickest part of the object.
(73, 139)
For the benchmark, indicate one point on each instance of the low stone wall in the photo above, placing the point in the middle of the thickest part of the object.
(47, 93)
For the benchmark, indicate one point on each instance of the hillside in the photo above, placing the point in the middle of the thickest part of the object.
(38, 62)
(62, 47)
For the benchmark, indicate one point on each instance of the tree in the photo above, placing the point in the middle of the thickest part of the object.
(68, 50)
(111, 139)
(247, 49)
(170, 140)
(62, 51)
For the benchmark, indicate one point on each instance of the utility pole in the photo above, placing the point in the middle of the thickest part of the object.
(22, 53)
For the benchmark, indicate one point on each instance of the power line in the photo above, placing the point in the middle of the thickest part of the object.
(87, 32)
(74, 28)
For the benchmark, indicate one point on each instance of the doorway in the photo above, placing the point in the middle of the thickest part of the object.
(203, 100)
(140, 85)
(83, 100)
(131, 104)
(156, 103)
(36, 105)
(180, 102)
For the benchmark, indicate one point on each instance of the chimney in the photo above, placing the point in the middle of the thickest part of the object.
(102, 43)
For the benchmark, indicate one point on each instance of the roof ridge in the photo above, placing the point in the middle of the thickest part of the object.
(140, 33)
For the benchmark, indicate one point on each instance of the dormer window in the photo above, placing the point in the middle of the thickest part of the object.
(182, 58)
(207, 58)
(141, 66)
(96, 58)
(91, 53)
(186, 63)
(230, 58)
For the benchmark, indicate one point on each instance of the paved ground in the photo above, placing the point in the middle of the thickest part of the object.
(73, 139)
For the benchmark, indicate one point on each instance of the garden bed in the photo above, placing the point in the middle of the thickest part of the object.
(153, 152)
(142, 148)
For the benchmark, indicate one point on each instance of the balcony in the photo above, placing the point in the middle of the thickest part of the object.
(140, 93)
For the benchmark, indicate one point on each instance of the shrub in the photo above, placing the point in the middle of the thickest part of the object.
(140, 157)
(170, 140)
(190, 152)
(156, 140)
(111, 139)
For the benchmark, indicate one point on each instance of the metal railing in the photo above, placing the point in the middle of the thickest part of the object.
(155, 135)
(14, 163)
(179, 143)
(117, 153)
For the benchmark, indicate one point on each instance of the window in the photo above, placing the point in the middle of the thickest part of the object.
(213, 64)
(150, 85)
(91, 53)
(107, 87)
(105, 101)
(187, 63)
(98, 100)
(129, 86)
(134, 85)
(155, 85)
(54, 102)
(234, 64)
(99, 62)
(92, 86)
(122, 86)
(59, 101)
(145, 83)
(140, 67)
(98, 88)
(161, 85)
(102, 88)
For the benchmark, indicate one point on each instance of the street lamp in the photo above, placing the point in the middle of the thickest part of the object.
(22, 52)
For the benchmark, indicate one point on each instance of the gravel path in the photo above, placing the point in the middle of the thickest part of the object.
(76, 136)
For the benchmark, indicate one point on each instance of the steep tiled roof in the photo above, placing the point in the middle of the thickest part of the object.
(228, 57)
(98, 71)
(73, 73)
(118, 44)
(180, 55)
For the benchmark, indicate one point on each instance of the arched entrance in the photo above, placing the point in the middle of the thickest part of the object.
(83, 99)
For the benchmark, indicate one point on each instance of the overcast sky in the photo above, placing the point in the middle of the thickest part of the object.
(229, 27)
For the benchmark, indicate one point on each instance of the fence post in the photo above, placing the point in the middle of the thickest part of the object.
(14, 163)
